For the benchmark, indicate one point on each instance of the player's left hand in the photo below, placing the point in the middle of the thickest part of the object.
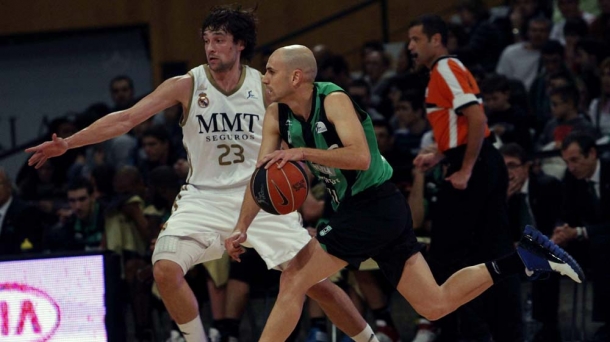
(281, 157)
(233, 245)
(459, 179)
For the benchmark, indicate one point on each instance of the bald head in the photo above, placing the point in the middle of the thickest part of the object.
(299, 57)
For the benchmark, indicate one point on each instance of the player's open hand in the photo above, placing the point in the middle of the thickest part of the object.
(281, 157)
(233, 245)
(48, 149)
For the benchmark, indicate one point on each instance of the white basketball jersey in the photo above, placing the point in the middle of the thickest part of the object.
(222, 132)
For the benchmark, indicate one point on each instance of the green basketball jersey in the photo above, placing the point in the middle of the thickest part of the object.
(318, 132)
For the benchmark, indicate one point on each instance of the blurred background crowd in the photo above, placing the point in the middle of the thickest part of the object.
(543, 68)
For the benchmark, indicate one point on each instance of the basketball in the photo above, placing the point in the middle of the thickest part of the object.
(280, 191)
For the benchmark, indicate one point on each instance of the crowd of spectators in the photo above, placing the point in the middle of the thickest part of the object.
(545, 82)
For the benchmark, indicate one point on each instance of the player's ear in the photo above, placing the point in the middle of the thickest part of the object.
(241, 45)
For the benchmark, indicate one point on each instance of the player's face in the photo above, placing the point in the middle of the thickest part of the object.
(580, 166)
(221, 51)
(420, 47)
(277, 79)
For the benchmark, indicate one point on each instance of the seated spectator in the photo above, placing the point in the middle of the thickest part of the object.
(599, 110)
(82, 226)
(533, 199)
(509, 122)
(483, 45)
(128, 233)
(360, 91)
(600, 27)
(409, 124)
(158, 150)
(42, 189)
(377, 72)
(20, 226)
(552, 63)
(589, 55)
(122, 92)
(564, 102)
(569, 9)
(336, 70)
(401, 162)
(521, 60)
(574, 30)
(587, 218)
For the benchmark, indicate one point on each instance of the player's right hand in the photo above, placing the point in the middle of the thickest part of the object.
(233, 245)
(49, 149)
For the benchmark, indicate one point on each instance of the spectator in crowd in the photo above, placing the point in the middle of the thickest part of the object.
(82, 227)
(20, 226)
(44, 190)
(566, 118)
(570, 9)
(573, 31)
(522, 60)
(377, 73)
(336, 70)
(600, 27)
(122, 92)
(102, 178)
(509, 122)
(409, 124)
(158, 150)
(552, 62)
(589, 55)
(587, 218)
(533, 199)
(367, 47)
(360, 91)
(129, 233)
(514, 26)
(599, 110)
(483, 44)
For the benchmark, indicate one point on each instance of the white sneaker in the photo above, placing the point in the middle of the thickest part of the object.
(174, 336)
(425, 331)
(214, 335)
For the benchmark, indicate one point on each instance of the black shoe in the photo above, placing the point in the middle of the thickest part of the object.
(541, 256)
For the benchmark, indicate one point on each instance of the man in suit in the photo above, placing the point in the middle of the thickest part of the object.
(533, 200)
(20, 227)
(587, 218)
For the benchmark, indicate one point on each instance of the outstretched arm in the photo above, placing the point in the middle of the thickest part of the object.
(249, 209)
(169, 93)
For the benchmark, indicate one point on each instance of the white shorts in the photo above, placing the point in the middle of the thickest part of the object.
(202, 220)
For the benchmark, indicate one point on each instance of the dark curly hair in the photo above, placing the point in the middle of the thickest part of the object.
(238, 22)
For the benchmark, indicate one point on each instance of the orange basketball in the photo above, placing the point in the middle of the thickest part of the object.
(280, 191)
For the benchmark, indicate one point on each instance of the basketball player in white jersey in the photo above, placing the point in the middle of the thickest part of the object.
(224, 105)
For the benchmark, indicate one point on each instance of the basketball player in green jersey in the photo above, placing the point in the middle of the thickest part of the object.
(327, 130)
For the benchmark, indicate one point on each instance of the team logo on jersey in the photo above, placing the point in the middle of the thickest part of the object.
(288, 123)
(203, 100)
(320, 127)
(326, 230)
(251, 95)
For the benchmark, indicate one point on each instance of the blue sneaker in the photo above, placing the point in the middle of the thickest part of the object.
(317, 335)
(541, 255)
